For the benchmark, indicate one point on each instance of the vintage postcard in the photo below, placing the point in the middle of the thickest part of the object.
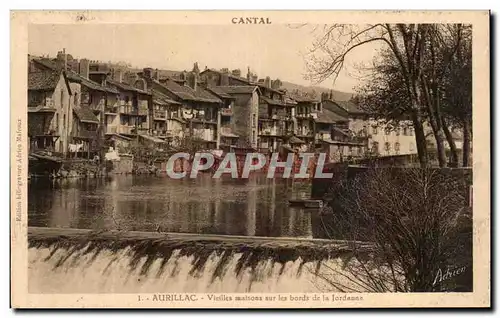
(250, 159)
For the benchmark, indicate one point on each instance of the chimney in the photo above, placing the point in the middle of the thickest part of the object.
(83, 68)
(65, 59)
(224, 70)
(267, 82)
(249, 75)
(224, 79)
(118, 75)
(236, 73)
(196, 69)
(193, 80)
(276, 84)
(331, 94)
(254, 78)
(156, 75)
(148, 72)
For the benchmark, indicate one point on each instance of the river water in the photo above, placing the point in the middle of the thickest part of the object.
(257, 206)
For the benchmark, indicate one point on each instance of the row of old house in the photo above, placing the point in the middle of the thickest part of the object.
(79, 108)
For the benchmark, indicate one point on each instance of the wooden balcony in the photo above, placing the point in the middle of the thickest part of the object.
(86, 134)
(226, 112)
(272, 132)
(111, 129)
(159, 115)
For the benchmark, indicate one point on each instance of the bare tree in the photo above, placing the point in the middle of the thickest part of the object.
(419, 51)
(417, 220)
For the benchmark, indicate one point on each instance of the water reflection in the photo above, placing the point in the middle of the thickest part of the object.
(256, 206)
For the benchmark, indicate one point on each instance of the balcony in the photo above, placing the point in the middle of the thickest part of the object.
(111, 110)
(125, 129)
(159, 132)
(111, 129)
(130, 110)
(204, 118)
(274, 131)
(226, 130)
(159, 115)
(304, 116)
(98, 106)
(305, 133)
(44, 105)
(86, 134)
(226, 112)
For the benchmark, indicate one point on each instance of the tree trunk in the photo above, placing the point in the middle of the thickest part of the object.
(441, 150)
(466, 160)
(420, 141)
(453, 147)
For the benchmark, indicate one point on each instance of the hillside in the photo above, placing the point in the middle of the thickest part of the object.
(337, 95)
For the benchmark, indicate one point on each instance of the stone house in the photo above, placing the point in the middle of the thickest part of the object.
(50, 111)
(200, 109)
(243, 112)
(381, 139)
(130, 116)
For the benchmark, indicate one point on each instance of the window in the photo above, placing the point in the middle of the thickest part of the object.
(77, 99)
(375, 147)
(387, 131)
(398, 131)
(397, 146)
(412, 147)
(253, 136)
(64, 121)
(253, 120)
(405, 131)
(375, 129)
(387, 147)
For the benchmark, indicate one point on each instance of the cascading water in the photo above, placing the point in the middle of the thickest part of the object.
(100, 265)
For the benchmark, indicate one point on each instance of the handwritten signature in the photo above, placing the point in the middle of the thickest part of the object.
(448, 274)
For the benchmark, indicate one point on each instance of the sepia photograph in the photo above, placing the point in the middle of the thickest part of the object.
(255, 159)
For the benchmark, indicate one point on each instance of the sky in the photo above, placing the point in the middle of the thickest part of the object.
(269, 50)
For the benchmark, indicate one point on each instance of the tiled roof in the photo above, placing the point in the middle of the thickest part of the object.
(219, 92)
(329, 117)
(272, 101)
(299, 99)
(75, 77)
(126, 87)
(85, 115)
(239, 78)
(43, 80)
(349, 106)
(162, 99)
(243, 89)
(72, 76)
(295, 140)
(187, 93)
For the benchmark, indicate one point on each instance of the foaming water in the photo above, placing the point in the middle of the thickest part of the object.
(64, 271)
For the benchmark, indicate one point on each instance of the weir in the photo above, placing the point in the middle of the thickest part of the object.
(86, 261)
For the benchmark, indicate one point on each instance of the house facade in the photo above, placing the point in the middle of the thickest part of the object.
(242, 114)
(129, 116)
(381, 139)
(50, 111)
